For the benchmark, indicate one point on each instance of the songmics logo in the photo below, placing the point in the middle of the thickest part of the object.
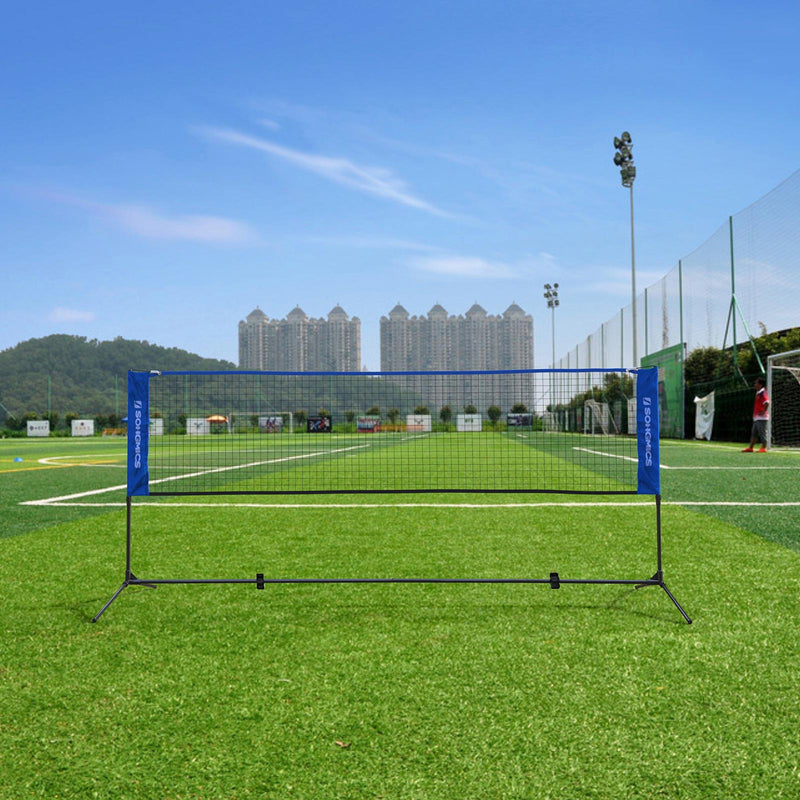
(137, 434)
(647, 404)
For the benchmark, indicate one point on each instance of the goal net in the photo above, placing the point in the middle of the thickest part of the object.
(596, 418)
(783, 389)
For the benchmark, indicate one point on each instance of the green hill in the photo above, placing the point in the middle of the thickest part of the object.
(73, 375)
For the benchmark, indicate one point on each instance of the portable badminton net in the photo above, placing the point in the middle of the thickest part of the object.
(584, 432)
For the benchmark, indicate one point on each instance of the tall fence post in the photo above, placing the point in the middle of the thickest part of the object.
(733, 297)
(680, 300)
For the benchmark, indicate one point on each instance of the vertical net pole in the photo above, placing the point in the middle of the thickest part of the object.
(733, 298)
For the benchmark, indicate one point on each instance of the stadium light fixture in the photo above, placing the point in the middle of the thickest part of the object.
(623, 158)
(551, 295)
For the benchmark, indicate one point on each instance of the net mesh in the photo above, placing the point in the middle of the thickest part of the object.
(783, 381)
(740, 282)
(509, 431)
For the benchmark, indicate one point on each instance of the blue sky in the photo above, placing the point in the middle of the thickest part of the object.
(166, 167)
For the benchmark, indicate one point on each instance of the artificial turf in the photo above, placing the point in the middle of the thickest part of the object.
(401, 691)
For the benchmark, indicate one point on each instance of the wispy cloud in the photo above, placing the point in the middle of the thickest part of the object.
(377, 181)
(148, 223)
(376, 243)
(464, 267)
(60, 314)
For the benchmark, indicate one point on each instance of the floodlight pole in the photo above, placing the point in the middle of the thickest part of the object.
(623, 158)
(551, 295)
(633, 287)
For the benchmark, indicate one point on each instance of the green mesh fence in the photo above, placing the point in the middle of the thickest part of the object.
(740, 283)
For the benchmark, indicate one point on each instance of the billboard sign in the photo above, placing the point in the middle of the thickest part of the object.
(197, 426)
(368, 425)
(670, 389)
(318, 425)
(418, 423)
(469, 423)
(270, 424)
(38, 427)
(82, 427)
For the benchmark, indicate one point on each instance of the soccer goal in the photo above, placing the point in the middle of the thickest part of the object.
(323, 452)
(597, 418)
(783, 390)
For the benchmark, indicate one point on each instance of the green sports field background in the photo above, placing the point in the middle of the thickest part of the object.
(412, 691)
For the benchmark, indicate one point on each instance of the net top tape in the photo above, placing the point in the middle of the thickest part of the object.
(377, 373)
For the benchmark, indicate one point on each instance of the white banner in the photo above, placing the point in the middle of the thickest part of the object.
(420, 423)
(83, 427)
(704, 416)
(469, 423)
(197, 426)
(38, 427)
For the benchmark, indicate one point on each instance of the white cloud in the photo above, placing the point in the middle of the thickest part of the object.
(145, 222)
(464, 266)
(376, 243)
(148, 223)
(377, 181)
(61, 314)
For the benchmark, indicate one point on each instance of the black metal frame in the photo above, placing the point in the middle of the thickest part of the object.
(554, 581)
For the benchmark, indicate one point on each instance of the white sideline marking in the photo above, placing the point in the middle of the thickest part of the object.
(613, 455)
(744, 467)
(664, 466)
(588, 504)
(53, 501)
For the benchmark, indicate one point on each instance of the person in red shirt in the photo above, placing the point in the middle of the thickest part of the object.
(760, 417)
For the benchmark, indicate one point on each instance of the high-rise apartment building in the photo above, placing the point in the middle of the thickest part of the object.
(474, 341)
(299, 343)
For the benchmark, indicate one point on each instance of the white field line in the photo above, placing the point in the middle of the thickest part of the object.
(745, 467)
(52, 501)
(312, 506)
(612, 455)
(52, 461)
(741, 469)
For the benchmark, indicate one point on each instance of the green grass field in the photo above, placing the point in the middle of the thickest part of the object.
(399, 691)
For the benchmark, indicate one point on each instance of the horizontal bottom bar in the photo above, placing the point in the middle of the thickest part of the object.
(142, 581)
